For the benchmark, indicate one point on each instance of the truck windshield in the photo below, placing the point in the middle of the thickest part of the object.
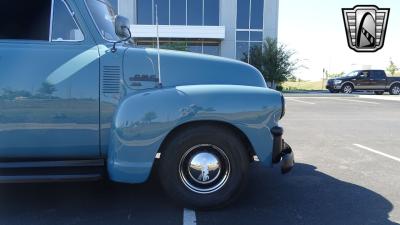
(352, 74)
(103, 16)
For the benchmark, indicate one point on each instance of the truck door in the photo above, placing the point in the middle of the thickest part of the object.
(49, 82)
(378, 80)
(362, 81)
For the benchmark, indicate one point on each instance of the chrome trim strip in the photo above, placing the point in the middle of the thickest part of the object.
(47, 164)
(51, 21)
(48, 178)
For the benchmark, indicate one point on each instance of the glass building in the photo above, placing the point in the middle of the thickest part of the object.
(227, 28)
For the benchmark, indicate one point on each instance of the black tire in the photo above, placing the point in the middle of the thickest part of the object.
(395, 89)
(379, 92)
(175, 180)
(347, 89)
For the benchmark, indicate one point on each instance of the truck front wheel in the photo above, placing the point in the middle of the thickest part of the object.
(347, 89)
(204, 167)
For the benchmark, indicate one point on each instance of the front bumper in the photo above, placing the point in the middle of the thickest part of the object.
(333, 87)
(282, 152)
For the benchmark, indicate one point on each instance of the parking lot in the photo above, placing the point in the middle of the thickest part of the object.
(347, 151)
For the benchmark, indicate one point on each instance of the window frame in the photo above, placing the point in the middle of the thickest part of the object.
(73, 16)
(250, 30)
(186, 14)
(94, 21)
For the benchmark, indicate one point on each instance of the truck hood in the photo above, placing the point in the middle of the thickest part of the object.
(183, 68)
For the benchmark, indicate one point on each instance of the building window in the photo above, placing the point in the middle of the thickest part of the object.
(249, 27)
(190, 45)
(211, 12)
(256, 14)
(212, 49)
(194, 12)
(145, 12)
(163, 11)
(179, 12)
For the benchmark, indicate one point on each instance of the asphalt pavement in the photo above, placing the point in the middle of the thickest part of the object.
(347, 150)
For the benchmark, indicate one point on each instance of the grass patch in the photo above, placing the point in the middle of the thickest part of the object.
(304, 85)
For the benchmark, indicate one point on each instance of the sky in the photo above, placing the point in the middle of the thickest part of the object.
(315, 30)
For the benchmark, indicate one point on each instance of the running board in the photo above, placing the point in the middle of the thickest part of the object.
(51, 171)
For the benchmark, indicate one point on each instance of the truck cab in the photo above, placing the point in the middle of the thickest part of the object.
(79, 102)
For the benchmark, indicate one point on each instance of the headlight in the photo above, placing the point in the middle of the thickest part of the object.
(336, 82)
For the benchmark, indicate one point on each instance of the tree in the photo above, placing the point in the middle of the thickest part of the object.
(274, 61)
(149, 116)
(178, 46)
(392, 68)
(47, 89)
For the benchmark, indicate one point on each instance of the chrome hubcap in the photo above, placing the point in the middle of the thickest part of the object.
(204, 168)
(347, 89)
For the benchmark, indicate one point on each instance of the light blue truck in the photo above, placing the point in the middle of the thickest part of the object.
(78, 102)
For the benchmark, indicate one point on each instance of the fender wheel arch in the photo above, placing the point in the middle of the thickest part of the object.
(209, 123)
(175, 170)
(348, 82)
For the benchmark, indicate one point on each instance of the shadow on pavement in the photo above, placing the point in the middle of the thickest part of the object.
(86, 203)
(305, 196)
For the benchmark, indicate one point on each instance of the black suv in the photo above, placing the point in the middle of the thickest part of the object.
(365, 80)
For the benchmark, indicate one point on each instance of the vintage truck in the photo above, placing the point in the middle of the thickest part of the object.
(78, 102)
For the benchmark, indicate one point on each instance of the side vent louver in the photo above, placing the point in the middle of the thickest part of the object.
(111, 79)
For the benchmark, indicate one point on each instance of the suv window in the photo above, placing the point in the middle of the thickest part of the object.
(364, 74)
(379, 74)
(25, 20)
(65, 28)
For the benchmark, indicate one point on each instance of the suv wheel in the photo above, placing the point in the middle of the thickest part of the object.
(379, 92)
(204, 167)
(395, 89)
(347, 89)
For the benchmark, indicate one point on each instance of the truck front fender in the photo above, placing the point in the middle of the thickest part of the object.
(143, 120)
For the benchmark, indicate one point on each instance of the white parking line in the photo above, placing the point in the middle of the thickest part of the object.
(388, 98)
(296, 100)
(377, 152)
(189, 217)
(351, 100)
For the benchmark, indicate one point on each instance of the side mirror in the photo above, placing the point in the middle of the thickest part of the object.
(121, 30)
(122, 27)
